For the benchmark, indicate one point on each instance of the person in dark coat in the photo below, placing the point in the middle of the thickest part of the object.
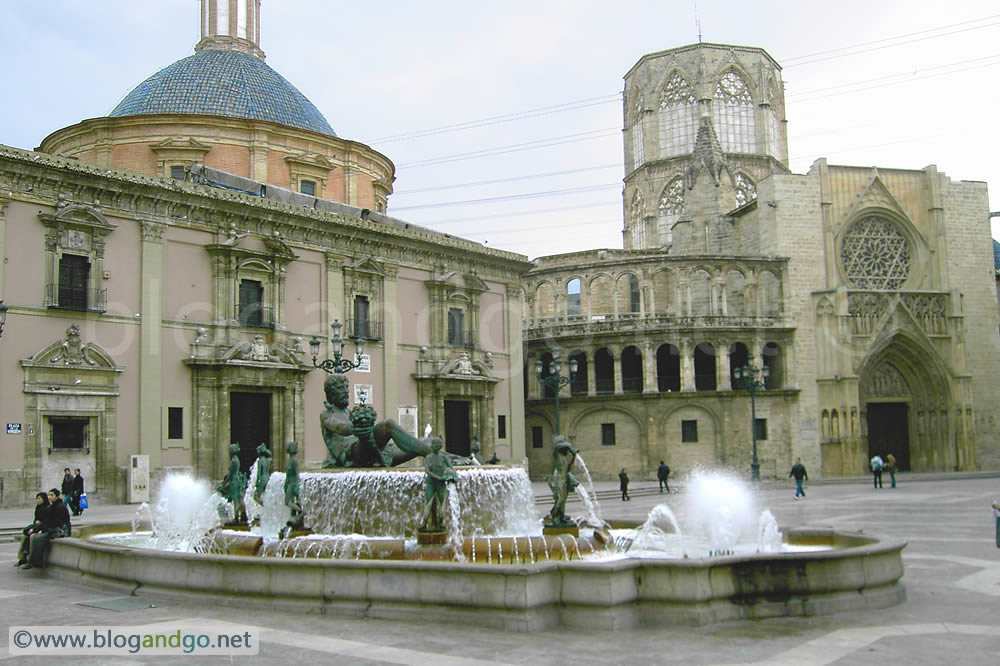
(663, 473)
(41, 506)
(623, 484)
(55, 526)
(67, 483)
(77, 491)
(799, 472)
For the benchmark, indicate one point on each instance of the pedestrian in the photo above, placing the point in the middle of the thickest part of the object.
(876, 465)
(663, 473)
(41, 506)
(67, 484)
(800, 474)
(55, 526)
(77, 492)
(623, 484)
(996, 514)
(890, 466)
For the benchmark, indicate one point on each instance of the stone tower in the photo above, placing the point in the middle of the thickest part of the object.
(703, 124)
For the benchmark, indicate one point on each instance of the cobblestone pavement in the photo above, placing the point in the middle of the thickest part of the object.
(951, 616)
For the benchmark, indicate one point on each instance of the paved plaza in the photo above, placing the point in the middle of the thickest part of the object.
(952, 615)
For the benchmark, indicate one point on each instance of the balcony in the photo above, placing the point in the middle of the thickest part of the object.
(80, 300)
(536, 328)
(363, 328)
(254, 315)
(461, 339)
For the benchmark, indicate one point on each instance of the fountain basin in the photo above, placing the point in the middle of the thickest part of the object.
(856, 573)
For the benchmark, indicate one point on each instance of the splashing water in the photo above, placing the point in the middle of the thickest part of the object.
(768, 535)
(185, 511)
(588, 498)
(721, 509)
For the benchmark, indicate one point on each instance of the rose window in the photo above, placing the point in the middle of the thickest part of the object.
(875, 255)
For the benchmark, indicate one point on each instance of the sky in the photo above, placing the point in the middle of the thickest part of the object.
(504, 120)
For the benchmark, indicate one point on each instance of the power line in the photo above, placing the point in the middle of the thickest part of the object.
(889, 39)
(514, 148)
(527, 213)
(616, 165)
(515, 197)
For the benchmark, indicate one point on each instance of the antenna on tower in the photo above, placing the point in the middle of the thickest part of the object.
(697, 21)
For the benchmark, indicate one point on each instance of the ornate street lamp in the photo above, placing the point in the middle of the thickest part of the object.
(747, 378)
(556, 381)
(3, 316)
(339, 364)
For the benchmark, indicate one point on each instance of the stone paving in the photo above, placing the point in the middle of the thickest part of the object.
(951, 615)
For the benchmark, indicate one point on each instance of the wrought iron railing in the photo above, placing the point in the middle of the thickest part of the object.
(255, 315)
(82, 300)
(461, 339)
(363, 328)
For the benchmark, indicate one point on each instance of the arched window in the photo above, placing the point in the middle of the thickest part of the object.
(735, 300)
(668, 368)
(670, 208)
(746, 191)
(663, 291)
(701, 293)
(573, 297)
(738, 357)
(678, 117)
(704, 367)
(600, 296)
(631, 370)
(638, 136)
(579, 384)
(773, 124)
(544, 300)
(733, 111)
(770, 294)
(604, 371)
(638, 228)
(633, 294)
(771, 358)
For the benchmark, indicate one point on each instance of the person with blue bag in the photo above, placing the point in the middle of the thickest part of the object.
(56, 525)
(79, 501)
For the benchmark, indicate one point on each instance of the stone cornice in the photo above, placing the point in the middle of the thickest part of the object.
(40, 177)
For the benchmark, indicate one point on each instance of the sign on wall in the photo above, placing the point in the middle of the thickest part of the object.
(408, 419)
(365, 364)
(367, 389)
(13, 428)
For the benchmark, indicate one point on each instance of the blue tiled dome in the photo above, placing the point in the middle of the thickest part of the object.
(224, 83)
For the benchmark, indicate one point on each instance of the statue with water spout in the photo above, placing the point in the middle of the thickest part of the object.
(263, 471)
(355, 439)
(292, 500)
(234, 484)
(438, 474)
(562, 482)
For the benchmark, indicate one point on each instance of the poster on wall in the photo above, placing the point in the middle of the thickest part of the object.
(366, 389)
(408, 419)
(364, 364)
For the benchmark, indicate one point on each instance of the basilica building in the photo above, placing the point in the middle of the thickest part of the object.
(755, 315)
(174, 272)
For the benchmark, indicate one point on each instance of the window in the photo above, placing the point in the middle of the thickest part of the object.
(638, 137)
(251, 312)
(678, 117)
(501, 426)
(74, 276)
(68, 433)
(573, 297)
(670, 209)
(607, 434)
(633, 293)
(637, 223)
(760, 429)
(307, 187)
(456, 328)
(175, 423)
(362, 322)
(178, 173)
(734, 115)
(536, 437)
(689, 431)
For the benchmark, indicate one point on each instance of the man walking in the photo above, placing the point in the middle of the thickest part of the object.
(890, 465)
(799, 472)
(623, 484)
(876, 467)
(78, 490)
(663, 473)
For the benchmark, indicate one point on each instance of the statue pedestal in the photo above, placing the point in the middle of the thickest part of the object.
(553, 530)
(428, 538)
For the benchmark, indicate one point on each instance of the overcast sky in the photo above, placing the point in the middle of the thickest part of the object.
(873, 82)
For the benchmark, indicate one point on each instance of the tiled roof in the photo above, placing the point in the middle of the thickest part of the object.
(224, 83)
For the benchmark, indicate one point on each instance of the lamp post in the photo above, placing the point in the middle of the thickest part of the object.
(3, 316)
(747, 378)
(555, 380)
(338, 364)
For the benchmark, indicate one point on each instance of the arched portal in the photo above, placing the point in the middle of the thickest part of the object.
(906, 397)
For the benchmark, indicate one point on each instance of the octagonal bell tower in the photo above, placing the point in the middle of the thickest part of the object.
(702, 125)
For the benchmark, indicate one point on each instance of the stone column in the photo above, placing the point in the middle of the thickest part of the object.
(687, 367)
(616, 364)
(649, 379)
(725, 379)
(150, 346)
(334, 305)
(591, 371)
(390, 345)
(513, 384)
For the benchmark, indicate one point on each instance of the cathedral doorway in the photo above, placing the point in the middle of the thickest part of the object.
(456, 427)
(249, 424)
(889, 432)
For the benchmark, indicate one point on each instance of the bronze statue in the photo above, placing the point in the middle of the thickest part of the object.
(562, 482)
(438, 474)
(234, 484)
(354, 438)
(263, 472)
(292, 500)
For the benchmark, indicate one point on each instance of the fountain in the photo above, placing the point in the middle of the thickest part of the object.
(466, 542)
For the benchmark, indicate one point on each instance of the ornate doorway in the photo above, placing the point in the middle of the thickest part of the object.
(249, 424)
(889, 432)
